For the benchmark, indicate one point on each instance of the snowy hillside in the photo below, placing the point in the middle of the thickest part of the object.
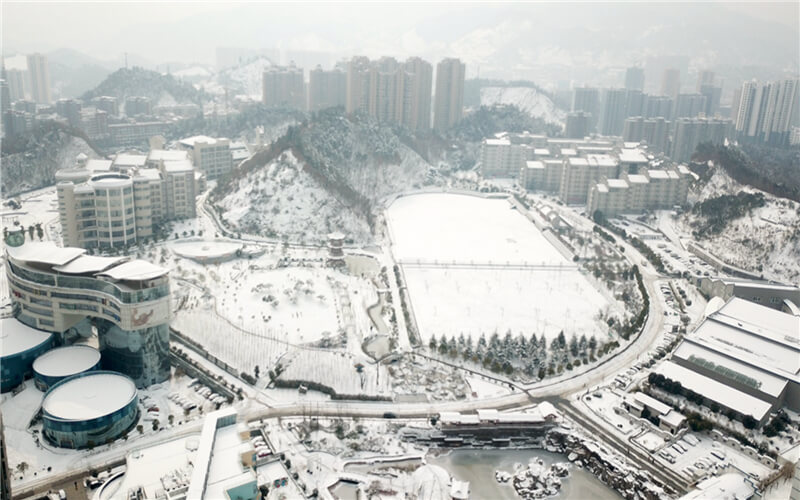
(281, 200)
(527, 99)
(34, 158)
(240, 80)
(764, 240)
(141, 82)
(355, 161)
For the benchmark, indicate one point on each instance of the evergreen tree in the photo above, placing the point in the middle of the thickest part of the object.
(432, 343)
(592, 345)
(482, 341)
(573, 346)
(562, 340)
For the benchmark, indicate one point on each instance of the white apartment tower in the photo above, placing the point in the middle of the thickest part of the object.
(765, 111)
(326, 89)
(449, 98)
(39, 72)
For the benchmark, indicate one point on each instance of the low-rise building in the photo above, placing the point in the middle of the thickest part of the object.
(644, 406)
(766, 293)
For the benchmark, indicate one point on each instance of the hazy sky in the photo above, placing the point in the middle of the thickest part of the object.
(190, 31)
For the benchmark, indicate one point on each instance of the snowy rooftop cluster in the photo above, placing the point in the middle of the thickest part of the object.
(73, 261)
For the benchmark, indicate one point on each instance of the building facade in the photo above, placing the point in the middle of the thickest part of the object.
(283, 87)
(449, 98)
(53, 289)
(326, 89)
(211, 156)
(39, 74)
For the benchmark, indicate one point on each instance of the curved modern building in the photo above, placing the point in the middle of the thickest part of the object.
(57, 364)
(19, 347)
(54, 289)
(89, 409)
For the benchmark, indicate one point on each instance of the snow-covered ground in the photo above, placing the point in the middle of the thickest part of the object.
(527, 99)
(281, 200)
(240, 80)
(475, 265)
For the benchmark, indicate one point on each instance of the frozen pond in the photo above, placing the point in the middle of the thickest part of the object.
(478, 466)
(477, 266)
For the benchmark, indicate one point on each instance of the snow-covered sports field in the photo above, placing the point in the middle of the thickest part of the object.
(476, 265)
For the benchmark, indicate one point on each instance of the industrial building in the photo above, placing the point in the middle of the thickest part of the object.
(744, 357)
(785, 298)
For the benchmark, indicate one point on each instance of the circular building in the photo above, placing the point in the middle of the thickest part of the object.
(19, 346)
(89, 409)
(57, 364)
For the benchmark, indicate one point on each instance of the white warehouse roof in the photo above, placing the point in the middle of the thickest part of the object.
(17, 337)
(89, 397)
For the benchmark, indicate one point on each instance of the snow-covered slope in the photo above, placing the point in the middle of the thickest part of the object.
(281, 199)
(766, 240)
(240, 80)
(35, 165)
(527, 99)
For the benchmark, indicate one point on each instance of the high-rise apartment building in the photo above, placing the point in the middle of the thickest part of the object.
(689, 132)
(282, 87)
(138, 105)
(326, 89)
(449, 98)
(39, 73)
(634, 78)
(578, 125)
(653, 131)
(107, 104)
(705, 78)
(16, 84)
(612, 116)
(71, 110)
(689, 105)
(391, 91)
(587, 99)
(671, 82)
(713, 95)
(655, 106)
(417, 98)
(765, 111)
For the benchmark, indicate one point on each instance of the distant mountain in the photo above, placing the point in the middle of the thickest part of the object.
(244, 79)
(142, 82)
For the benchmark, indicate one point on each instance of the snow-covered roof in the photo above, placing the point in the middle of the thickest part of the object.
(651, 403)
(191, 141)
(167, 155)
(44, 252)
(110, 181)
(498, 142)
(17, 337)
(715, 391)
(730, 368)
(601, 188)
(568, 152)
(90, 396)
(88, 264)
(617, 183)
(66, 361)
(541, 152)
(147, 173)
(135, 270)
(657, 174)
(729, 486)
(534, 165)
(673, 418)
(177, 166)
(99, 165)
(637, 179)
(632, 156)
(601, 160)
(129, 160)
(761, 320)
(578, 162)
(746, 283)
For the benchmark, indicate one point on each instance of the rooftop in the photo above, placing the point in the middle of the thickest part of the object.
(498, 142)
(167, 155)
(88, 264)
(177, 166)
(632, 156)
(44, 252)
(89, 396)
(65, 361)
(135, 270)
(129, 160)
(637, 179)
(99, 165)
(534, 164)
(17, 337)
(191, 141)
(715, 391)
(657, 174)
(617, 183)
(651, 403)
